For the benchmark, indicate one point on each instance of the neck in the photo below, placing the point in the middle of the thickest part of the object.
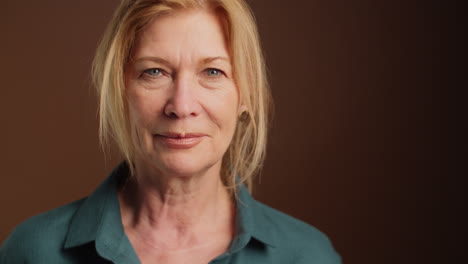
(174, 212)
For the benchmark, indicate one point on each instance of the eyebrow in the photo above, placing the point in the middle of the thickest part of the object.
(210, 59)
(153, 59)
(165, 62)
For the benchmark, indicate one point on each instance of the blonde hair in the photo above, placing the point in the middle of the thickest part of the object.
(246, 153)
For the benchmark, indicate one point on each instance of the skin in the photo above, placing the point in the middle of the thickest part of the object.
(179, 80)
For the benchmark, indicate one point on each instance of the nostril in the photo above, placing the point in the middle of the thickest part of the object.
(170, 114)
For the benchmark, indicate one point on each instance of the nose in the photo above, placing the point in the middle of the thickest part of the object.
(183, 101)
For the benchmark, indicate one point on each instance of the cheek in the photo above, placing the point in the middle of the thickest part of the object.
(223, 110)
(143, 111)
(143, 114)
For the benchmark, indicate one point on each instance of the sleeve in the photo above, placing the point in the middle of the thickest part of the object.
(12, 250)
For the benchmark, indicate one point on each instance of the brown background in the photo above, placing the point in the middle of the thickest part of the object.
(358, 143)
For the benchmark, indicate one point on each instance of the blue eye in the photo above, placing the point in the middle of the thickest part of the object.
(154, 72)
(213, 72)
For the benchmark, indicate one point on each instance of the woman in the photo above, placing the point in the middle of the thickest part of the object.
(183, 95)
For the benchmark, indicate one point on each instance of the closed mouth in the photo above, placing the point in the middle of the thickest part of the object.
(179, 140)
(180, 135)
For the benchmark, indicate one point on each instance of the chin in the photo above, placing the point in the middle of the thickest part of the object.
(180, 165)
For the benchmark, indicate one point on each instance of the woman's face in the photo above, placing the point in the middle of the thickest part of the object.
(183, 102)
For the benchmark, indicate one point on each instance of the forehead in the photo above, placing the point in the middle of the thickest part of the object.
(187, 33)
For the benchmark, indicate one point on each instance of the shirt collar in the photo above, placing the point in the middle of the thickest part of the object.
(251, 219)
(98, 219)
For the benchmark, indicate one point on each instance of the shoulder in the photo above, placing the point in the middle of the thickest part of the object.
(45, 232)
(307, 243)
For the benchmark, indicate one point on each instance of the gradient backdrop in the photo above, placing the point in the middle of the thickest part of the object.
(356, 146)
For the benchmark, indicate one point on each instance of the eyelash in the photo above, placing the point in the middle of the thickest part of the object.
(214, 69)
(146, 73)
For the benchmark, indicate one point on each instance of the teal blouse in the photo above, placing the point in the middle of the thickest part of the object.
(90, 231)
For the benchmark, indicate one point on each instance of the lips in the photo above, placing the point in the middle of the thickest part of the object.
(179, 140)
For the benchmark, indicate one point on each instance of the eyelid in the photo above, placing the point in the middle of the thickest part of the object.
(145, 74)
(205, 71)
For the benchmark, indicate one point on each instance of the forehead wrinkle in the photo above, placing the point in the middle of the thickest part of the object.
(175, 43)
